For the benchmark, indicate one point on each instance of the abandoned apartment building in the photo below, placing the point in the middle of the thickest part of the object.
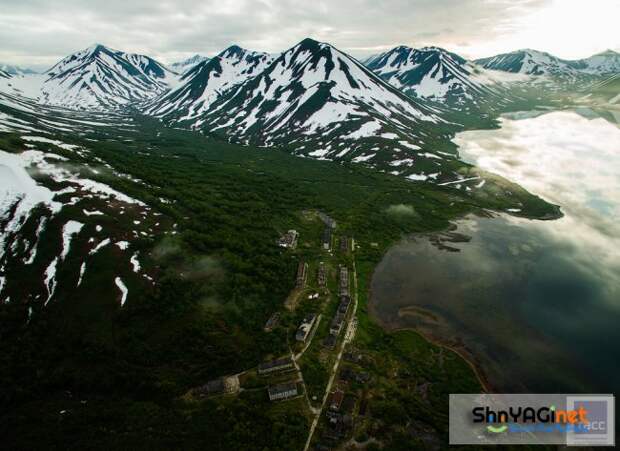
(322, 275)
(335, 399)
(345, 302)
(348, 374)
(337, 322)
(282, 391)
(273, 366)
(289, 239)
(303, 332)
(330, 341)
(272, 322)
(219, 386)
(343, 286)
(302, 274)
(327, 238)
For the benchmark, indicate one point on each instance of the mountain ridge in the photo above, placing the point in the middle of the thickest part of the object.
(319, 102)
(202, 84)
(433, 73)
(100, 77)
(536, 62)
(184, 65)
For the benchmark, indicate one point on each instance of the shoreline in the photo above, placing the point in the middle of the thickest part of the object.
(463, 353)
(461, 350)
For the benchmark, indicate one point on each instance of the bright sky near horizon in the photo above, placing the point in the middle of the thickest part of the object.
(37, 33)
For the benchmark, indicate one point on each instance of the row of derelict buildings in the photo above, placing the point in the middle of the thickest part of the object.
(340, 318)
(284, 390)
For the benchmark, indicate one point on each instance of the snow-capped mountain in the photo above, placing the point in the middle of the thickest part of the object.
(534, 62)
(554, 73)
(183, 66)
(99, 77)
(530, 62)
(202, 84)
(604, 63)
(16, 70)
(55, 231)
(435, 74)
(317, 101)
(4, 74)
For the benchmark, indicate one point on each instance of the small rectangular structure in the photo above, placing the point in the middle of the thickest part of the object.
(345, 302)
(302, 274)
(336, 325)
(219, 386)
(343, 281)
(347, 374)
(353, 356)
(282, 391)
(322, 275)
(338, 426)
(273, 366)
(289, 239)
(303, 332)
(344, 244)
(272, 322)
(330, 341)
(327, 238)
(335, 400)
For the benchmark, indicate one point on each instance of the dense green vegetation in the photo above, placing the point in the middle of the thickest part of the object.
(87, 375)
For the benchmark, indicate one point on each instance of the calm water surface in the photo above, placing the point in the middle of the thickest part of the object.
(535, 303)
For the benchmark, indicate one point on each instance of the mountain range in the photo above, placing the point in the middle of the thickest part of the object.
(16, 70)
(316, 101)
(534, 62)
(396, 111)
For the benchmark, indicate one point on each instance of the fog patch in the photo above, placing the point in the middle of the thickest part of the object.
(401, 211)
(171, 253)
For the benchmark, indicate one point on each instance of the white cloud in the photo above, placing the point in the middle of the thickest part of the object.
(42, 31)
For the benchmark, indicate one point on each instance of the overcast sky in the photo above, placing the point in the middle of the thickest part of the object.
(39, 32)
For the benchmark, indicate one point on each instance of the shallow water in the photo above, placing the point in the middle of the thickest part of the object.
(536, 303)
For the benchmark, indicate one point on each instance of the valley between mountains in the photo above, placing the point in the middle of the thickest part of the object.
(142, 208)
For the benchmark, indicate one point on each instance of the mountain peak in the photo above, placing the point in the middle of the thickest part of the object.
(95, 48)
(532, 52)
(311, 44)
(608, 52)
(99, 77)
(431, 73)
(188, 63)
(233, 50)
(202, 83)
(432, 49)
